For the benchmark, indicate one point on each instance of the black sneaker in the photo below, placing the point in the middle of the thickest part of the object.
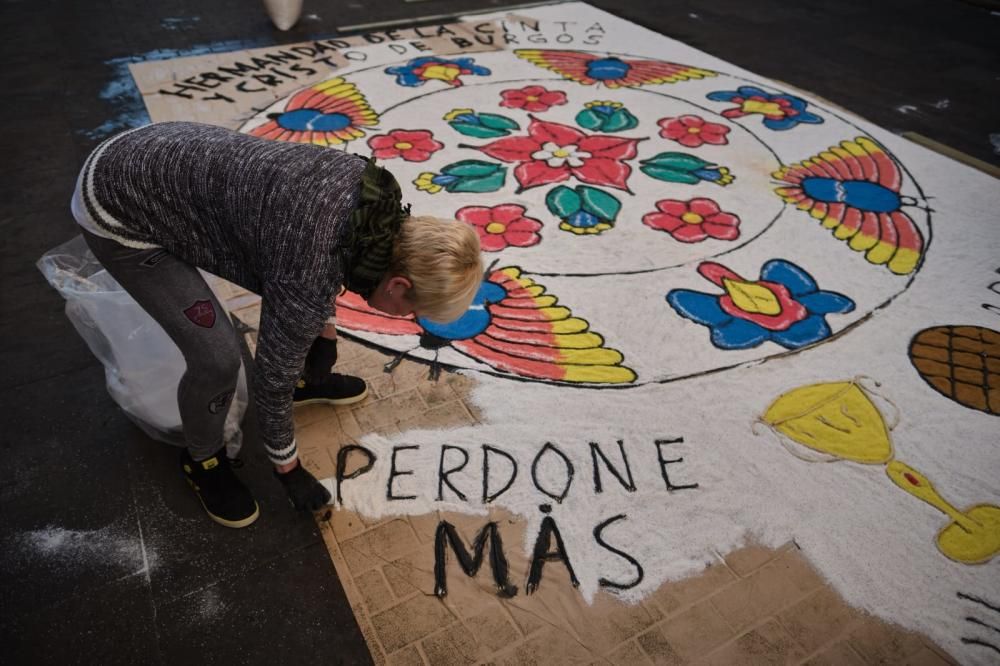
(226, 500)
(335, 390)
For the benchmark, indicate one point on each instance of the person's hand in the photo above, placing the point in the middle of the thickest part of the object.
(304, 491)
(319, 361)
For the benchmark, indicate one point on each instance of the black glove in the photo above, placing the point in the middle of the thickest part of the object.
(304, 491)
(319, 361)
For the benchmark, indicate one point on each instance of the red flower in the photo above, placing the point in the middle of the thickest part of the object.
(411, 145)
(693, 221)
(501, 226)
(692, 131)
(551, 153)
(532, 98)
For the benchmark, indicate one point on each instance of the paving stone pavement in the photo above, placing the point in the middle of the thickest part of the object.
(751, 606)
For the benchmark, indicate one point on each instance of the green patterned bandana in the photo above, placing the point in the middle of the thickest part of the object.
(375, 223)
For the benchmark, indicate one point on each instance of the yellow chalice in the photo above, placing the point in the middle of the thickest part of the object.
(839, 421)
(972, 537)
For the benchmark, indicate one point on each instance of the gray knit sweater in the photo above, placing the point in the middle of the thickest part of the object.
(267, 215)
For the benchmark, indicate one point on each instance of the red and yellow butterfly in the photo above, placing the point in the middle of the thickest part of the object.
(513, 326)
(328, 114)
(613, 72)
(853, 189)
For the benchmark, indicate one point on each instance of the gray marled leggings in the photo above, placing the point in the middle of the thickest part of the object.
(176, 295)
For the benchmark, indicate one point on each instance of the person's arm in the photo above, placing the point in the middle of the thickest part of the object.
(291, 319)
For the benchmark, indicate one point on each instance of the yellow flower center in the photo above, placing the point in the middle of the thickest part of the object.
(693, 130)
(443, 72)
(752, 297)
(561, 152)
(403, 145)
(425, 183)
(455, 113)
(692, 218)
(496, 228)
(531, 98)
(767, 108)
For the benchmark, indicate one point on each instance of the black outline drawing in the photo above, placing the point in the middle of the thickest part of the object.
(920, 197)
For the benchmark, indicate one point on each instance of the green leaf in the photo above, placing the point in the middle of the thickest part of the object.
(478, 131)
(620, 121)
(599, 203)
(473, 168)
(669, 175)
(589, 119)
(679, 161)
(562, 201)
(495, 121)
(490, 183)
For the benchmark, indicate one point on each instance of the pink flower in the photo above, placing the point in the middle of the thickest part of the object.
(532, 98)
(693, 221)
(411, 145)
(501, 226)
(552, 153)
(692, 131)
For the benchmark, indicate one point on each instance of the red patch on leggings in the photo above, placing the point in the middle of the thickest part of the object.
(219, 401)
(201, 313)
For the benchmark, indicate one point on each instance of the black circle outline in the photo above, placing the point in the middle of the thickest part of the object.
(758, 361)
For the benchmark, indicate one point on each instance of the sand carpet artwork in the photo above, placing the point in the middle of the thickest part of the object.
(729, 388)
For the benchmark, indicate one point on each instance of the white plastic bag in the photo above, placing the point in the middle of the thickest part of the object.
(142, 365)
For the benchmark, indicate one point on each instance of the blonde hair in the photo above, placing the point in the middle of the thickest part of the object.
(441, 258)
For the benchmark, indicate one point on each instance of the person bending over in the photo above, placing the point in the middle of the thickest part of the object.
(295, 223)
